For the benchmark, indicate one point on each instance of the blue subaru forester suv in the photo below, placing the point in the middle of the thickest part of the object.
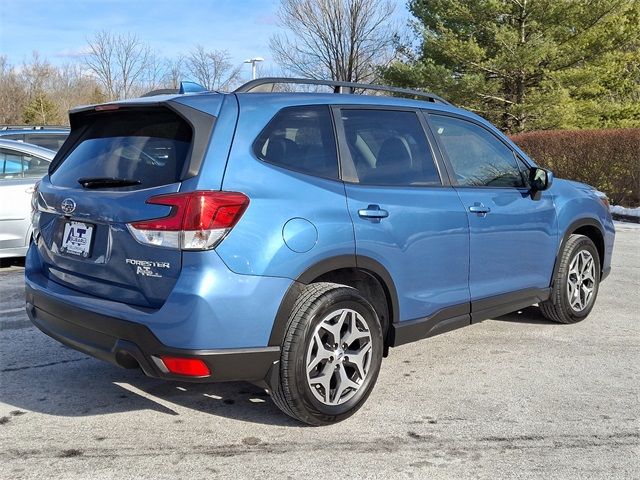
(291, 239)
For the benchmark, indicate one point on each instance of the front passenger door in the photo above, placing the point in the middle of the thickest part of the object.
(513, 236)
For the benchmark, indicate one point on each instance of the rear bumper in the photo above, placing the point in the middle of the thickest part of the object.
(13, 252)
(130, 344)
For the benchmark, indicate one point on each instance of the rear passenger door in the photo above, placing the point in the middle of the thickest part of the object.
(18, 173)
(405, 214)
(513, 234)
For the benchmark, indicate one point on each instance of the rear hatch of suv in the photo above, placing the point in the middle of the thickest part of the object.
(103, 181)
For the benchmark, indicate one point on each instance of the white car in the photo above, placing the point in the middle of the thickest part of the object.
(21, 166)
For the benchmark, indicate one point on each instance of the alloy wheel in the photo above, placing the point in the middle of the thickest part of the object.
(581, 282)
(339, 356)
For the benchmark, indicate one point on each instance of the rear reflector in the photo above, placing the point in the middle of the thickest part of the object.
(197, 221)
(190, 367)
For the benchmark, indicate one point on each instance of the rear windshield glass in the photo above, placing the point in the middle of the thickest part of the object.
(145, 146)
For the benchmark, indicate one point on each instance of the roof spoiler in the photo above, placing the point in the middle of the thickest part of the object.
(185, 87)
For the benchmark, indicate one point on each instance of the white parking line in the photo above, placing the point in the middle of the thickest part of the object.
(163, 403)
(12, 310)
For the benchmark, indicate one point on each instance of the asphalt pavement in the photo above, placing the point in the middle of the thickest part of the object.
(514, 397)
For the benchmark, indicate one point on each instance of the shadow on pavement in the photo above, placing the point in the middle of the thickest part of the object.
(62, 382)
(73, 384)
(11, 262)
(526, 315)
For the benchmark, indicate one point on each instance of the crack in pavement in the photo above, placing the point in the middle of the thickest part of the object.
(17, 369)
(439, 447)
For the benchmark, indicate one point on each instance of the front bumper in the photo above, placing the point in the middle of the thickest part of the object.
(132, 345)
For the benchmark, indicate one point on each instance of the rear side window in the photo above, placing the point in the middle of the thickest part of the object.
(389, 148)
(21, 165)
(149, 146)
(10, 164)
(13, 136)
(300, 139)
(51, 141)
(478, 158)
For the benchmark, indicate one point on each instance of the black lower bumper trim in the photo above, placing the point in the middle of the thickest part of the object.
(128, 344)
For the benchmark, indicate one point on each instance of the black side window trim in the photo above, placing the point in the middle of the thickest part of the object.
(347, 166)
(257, 156)
(447, 161)
(521, 162)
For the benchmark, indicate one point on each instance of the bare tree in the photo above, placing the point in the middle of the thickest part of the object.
(70, 87)
(13, 94)
(39, 77)
(212, 68)
(174, 72)
(37, 73)
(155, 74)
(339, 39)
(119, 62)
(41, 93)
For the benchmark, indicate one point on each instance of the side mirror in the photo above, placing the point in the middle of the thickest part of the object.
(540, 179)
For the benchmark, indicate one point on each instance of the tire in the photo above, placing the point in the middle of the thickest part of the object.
(563, 306)
(319, 308)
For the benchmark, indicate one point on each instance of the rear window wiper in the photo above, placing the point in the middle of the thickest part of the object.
(107, 182)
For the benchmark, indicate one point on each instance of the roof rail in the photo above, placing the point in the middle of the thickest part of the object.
(5, 128)
(268, 84)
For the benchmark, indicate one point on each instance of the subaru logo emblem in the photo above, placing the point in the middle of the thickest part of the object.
(68, 206)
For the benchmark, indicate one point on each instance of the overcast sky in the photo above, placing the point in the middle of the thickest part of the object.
(58, 29)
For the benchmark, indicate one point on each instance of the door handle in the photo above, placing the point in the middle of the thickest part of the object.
(373, 212)
(479, 209)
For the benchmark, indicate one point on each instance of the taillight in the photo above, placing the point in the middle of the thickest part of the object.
(197, 221)
(34, 195)
(35, 212)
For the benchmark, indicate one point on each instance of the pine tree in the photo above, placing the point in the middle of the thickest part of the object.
(40, 110)
(528, 64)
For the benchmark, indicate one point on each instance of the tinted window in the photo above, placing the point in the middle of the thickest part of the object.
(301, 139)
(51, 141)
(389, 148)
(19, 165)
(478, 158)
(13, 136)
(10, 164)
(150, 146)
